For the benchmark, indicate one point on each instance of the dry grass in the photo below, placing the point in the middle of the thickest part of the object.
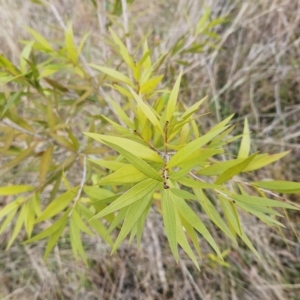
(253, 72)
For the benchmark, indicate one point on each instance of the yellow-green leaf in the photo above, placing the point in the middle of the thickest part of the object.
(280, 186)
(134, 213)
(236, 169)
(71, 49)
(171, 106)
(114, 74)
(126, 174)
(18, 226)
(169, 217)
(139, 191)
(182, 241)
(245, 143)
(191, 217)
(57, 205)
(111, 165)
(191, 147)
(123, 50)
(50, 230)
(135, 148)
(15, 189)
(265, 159)
(41, 40)
(146, 110)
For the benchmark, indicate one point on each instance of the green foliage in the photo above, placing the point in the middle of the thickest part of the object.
(155, 154)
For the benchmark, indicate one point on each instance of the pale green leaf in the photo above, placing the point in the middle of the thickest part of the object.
(15, 189)
(245, 143)
(134, 213)
(71, 49)
(50, 230)
(126, 174)
(191, 217)
(121, 113)
(134, 194)
(135, 148)
(18, 226)
(192, 109)
(57, 205)
(182, 241)
(236, 169)
(54, 238)
(213, 214)
(140, 164)
(7, 220)
(97, 193)
(107, 164)
(146, 111)
(150, 85)
(286, 187)
(171, 106)
(41, 40)
(265, 159)
(193, 146)
(259, 201)
(113, 73)
(169, 217)
(123, 50)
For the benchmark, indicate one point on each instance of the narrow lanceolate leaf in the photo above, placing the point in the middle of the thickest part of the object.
(146, 110)
(76, 239)
(259, 201)
(121, 113)
(191, 110)
(212, 212)
(171, 106)
(123, 50)
(57, 205)
(182, 241)
(71, 49)
(183, 194)
(140, 164)
(126, 174)
(50, 230)
(135, 148)
(193, 146)
(113, 73)
(185, 210)
(41, 40)
(107, 164)
(15, 189)
(134, 213)
(18, 226)
(286, 187)
(150, 85)
(245, 143)
(169, 217)
(219, 167)
(234, 223)
(229, 173)
(201, 185)
(265, 159)
(96, 224)
(54, 237)
(222, 124)
(136, 193)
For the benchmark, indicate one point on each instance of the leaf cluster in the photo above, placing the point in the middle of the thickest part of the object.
(153, 154)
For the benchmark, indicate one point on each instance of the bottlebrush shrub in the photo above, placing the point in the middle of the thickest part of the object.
(154, 153)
